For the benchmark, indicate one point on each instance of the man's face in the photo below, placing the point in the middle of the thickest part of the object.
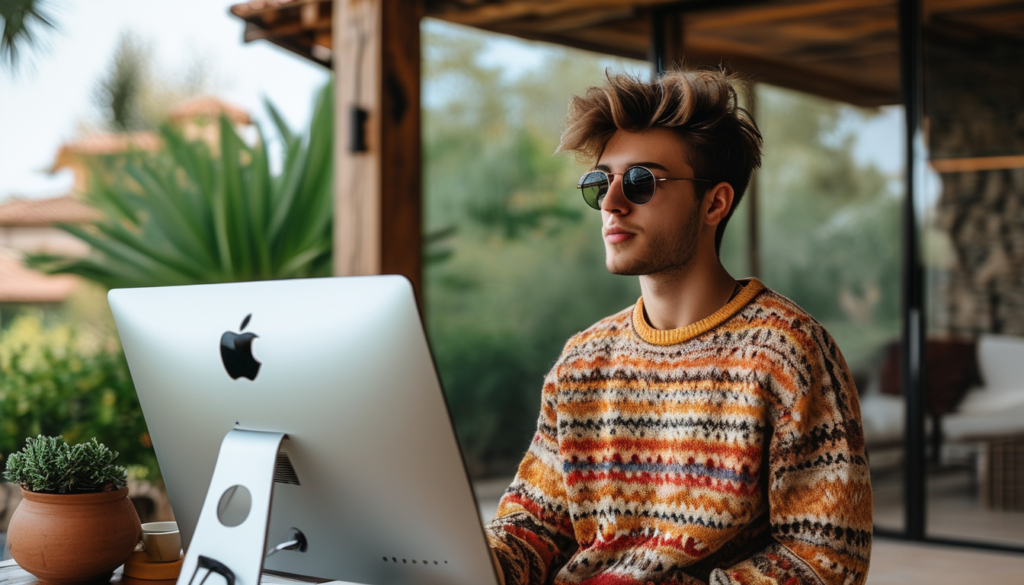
(664, 233)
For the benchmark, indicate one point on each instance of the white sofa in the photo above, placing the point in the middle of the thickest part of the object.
(995, 409)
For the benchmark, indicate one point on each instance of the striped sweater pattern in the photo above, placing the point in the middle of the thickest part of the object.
(726, 452)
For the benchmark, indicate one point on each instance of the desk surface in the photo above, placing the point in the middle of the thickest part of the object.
(12, 574)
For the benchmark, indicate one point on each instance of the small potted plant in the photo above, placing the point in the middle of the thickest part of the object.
(75, 523)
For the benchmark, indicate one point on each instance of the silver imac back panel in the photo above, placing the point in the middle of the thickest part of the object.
(341, 365)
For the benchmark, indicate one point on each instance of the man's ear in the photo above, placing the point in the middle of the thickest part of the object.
(717, 203)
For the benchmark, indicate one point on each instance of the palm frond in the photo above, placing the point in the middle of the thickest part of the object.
(21, 21)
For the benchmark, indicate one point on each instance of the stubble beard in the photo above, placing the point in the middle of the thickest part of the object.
(662, 252)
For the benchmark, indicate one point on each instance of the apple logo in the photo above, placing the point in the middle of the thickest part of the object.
(236, 353)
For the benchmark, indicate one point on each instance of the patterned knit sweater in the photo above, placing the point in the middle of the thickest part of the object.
(728, 451)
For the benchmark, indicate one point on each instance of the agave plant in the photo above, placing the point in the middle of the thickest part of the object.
(189, 215)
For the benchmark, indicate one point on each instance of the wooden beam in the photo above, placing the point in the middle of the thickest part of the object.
(815, 80)
(269, 11)
(610, 39)
(289, 44)
(257, 33)
(507, 12)
(847, 34)
(377, 227)
(933, 7)
(579, 20)
(982, 163)
(775, 13)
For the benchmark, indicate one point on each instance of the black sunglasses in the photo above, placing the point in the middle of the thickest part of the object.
(637, 185)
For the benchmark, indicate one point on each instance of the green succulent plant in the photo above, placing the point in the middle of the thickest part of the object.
(49, 465)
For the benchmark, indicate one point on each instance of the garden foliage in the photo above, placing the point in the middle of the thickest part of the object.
(526, 266)
(192, 214)
(51, 466)
(53, 383)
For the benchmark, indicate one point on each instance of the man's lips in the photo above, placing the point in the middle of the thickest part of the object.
(615, 235)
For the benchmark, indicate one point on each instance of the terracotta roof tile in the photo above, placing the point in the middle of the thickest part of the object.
(208, 107)
(101, 144)
(19, 284)
(46, 212)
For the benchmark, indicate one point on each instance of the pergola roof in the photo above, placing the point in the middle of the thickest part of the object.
(841, 49)
(301, 26)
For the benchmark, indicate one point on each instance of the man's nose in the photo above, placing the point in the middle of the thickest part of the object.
(615, 200)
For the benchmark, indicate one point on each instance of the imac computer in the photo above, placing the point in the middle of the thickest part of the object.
(318, 401)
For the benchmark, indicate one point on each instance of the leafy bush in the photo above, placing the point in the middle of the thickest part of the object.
(49, 465)
(54, 383)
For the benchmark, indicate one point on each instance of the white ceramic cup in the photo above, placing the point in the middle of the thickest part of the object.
(161, 541)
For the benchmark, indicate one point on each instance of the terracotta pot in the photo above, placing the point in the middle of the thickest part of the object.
(73, 538)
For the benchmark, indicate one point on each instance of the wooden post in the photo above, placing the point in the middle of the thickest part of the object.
(377, 182)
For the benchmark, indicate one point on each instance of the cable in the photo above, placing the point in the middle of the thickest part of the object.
(297, 541)
(286, 545)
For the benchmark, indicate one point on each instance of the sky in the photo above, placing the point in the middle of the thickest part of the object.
(48, 99)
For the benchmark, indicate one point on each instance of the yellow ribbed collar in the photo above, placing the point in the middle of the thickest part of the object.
(671, 336)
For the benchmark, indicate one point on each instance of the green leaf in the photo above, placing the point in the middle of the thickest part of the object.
(282, 127)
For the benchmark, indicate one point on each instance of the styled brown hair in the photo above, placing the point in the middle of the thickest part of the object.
(700, 106)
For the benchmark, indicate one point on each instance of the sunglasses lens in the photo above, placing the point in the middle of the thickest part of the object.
(594, 186)
(638, 185)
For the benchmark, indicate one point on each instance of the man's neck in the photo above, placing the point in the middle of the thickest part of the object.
(683, 296)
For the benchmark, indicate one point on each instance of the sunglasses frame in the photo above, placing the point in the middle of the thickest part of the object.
(608, 184)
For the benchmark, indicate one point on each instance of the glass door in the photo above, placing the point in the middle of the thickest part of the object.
(971, 208)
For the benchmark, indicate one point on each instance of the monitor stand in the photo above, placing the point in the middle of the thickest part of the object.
(231, 535)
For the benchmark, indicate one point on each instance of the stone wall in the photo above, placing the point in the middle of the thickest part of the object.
(974, 103)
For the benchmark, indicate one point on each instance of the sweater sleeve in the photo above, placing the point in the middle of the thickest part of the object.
(532, 534)
(819, 487)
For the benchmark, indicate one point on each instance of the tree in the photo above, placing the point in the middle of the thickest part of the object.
(119, 92)
(830, 224)
(129, 97)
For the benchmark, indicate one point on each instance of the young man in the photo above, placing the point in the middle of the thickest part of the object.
(710, 433)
